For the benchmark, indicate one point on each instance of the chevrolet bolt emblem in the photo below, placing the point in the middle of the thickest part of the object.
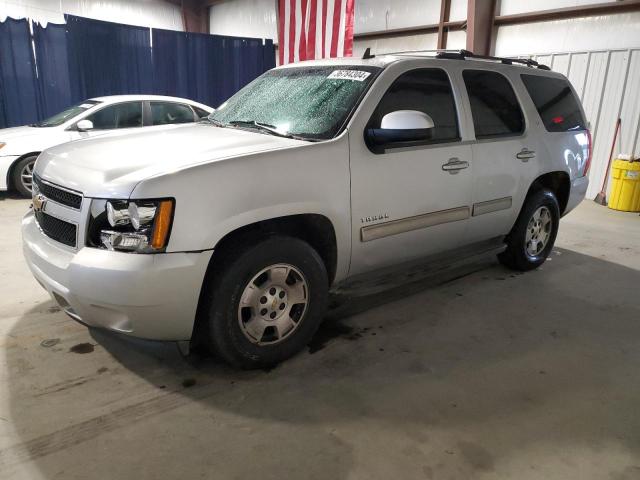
(39, 202)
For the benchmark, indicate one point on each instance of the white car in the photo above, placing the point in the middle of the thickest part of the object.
(232, 231)
(20, 146)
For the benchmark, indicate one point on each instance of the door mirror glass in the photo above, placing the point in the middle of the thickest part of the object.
(401, 127)
(84, 125)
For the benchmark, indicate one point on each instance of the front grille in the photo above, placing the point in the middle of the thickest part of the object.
(59, 230)
(57, 194)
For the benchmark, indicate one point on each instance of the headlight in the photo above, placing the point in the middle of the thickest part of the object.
(139, 226)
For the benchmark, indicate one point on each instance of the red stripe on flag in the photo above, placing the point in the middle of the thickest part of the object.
(348, 34)
(292, 30)
(302, 48)
(281, 45)
(337, 10)
(311, 40)
(324, 28)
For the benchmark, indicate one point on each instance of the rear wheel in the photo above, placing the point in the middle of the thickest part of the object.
(22, 175)
(266, 302)
(532, 237)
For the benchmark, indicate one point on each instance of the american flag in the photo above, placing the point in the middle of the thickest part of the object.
(309, 29)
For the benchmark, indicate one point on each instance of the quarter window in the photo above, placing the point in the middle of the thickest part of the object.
(164, 113)
(121, 115)
(200, 112)
(428, 91)
(494, 106)
(556, 103)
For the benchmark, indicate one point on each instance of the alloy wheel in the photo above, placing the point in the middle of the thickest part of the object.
(538, 232)
(273, 304)
(26, 176)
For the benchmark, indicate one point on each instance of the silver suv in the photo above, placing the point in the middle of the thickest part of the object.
(232, 231)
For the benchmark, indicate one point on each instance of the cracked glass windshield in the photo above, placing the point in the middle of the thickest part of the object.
(310, 103)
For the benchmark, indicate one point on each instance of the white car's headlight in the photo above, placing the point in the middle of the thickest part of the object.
(137, 226)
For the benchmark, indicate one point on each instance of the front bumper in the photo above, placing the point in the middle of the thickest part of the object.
(576, 193)
(147, 296)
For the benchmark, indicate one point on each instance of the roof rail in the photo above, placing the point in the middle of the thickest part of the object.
(464, 54)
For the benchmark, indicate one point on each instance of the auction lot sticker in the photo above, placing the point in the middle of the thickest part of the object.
(357, 75)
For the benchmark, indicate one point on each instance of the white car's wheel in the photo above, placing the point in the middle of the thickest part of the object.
(22, 175)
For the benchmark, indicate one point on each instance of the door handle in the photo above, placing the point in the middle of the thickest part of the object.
(525, 154)
(454, 165)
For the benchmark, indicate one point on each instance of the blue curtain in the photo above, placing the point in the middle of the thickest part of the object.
(107, 58)
(54, 88)
(207, 68)
(18, 81)
(88, 58)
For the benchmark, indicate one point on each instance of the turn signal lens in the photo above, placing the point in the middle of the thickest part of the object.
(162, 224)
(2, 144)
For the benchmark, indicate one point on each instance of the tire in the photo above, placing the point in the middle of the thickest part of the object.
(258, 276)
(19, 173)
(530, 241)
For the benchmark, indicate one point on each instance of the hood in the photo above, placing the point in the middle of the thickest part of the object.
(21, 140)
(111, 166)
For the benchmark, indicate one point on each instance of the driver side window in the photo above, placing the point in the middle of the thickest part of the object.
(426, 90)
(121, 115)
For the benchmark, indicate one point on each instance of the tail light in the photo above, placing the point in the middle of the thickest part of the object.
(588, 154)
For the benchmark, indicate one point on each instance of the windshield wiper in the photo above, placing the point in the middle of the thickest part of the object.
(217, 123)
(263, 127)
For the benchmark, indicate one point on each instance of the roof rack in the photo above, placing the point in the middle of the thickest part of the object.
(464, 54)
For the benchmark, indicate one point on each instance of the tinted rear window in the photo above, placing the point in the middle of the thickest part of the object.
(494, 105)
(556, 103)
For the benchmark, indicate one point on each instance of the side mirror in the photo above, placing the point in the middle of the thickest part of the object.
(401, 128)
(84, 125)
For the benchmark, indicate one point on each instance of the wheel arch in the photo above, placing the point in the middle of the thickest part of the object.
(558, 182)
(9, 178)
(315, 229)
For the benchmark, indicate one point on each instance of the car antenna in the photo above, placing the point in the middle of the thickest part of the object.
(367, 54)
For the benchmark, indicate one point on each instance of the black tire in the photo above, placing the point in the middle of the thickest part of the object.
(516, 255)
(223, 291)
(17, 181)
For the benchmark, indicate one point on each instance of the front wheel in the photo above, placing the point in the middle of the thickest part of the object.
(266, 302)
(22, 175)
(532, 237)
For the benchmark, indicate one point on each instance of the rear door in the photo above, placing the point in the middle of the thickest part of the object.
(504, 153)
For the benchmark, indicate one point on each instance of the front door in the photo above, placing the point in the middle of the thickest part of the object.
(411, 200)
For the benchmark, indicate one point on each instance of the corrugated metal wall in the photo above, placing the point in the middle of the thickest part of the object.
(607, 82)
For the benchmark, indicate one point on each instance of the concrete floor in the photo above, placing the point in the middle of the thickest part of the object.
(489, 376)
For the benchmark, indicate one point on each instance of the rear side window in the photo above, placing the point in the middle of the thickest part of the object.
(165, 113)
(428, 91)
(556, 103)
(494, 106)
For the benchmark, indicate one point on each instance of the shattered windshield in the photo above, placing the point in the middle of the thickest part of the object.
(311, 103)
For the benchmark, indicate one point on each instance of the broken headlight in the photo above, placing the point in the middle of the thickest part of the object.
(136, 226)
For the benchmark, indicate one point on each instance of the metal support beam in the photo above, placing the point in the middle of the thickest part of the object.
(606, 8)
(398, 32)
(480, 17)
(195, 15)
(445, 9)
